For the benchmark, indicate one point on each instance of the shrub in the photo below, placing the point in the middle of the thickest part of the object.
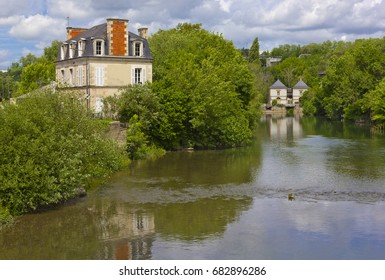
(138, 145)
(50, 149)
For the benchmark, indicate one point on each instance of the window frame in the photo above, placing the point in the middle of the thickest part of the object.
(97, 51)
(138, 48)
(138, 75)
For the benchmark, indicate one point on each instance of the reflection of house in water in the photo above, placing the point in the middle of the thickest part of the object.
(128, 235)
(284, 128)
(138, 228)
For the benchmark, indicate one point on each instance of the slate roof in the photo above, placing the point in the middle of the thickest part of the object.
(278, 85)
(100, 32)
(301, 85)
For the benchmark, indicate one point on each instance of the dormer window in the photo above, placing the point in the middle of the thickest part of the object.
(138, 49)
(63, 51)
(72, 49)
(99, 47)
(81, 47)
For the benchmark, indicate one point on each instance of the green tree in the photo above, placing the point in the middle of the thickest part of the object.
(286, 51)
(290, 70)
(50, 150)
(36, 75)
(142, 102)
(38, 72)
(254, 51)
(353, 70)
(374, 101)
(204, 85)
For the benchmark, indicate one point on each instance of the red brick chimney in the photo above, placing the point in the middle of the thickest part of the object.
(117, 34)
(72, 32)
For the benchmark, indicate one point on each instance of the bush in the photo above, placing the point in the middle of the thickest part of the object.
(138, 146)
(50, 150)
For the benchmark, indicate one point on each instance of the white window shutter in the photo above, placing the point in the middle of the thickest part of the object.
(99, 76)
(143, 75)
(132, 75)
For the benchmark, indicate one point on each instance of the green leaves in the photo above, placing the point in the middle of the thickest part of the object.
(204, 86)
(375, 101)
(352, 71)
(50, 149)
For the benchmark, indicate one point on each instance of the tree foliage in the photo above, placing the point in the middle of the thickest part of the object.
(254, 51)
(204, 86)
(50, 149)
(352, 70)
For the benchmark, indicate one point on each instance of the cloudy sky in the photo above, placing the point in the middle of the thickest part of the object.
(27, 26)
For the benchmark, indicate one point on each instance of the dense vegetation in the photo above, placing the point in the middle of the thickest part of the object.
(205, 87)
(346, 78)
(202, 94)
(50, 150)
(205, 94)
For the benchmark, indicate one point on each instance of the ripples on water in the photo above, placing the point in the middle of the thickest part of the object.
(230, 204)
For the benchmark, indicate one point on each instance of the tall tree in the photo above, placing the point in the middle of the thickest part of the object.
(254, 51)
(205, 87)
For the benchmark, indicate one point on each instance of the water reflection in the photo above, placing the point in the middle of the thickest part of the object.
(229, 204)
(323, 160)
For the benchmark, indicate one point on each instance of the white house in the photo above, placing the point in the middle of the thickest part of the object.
(298, 91)
(288, 97)
(278, 91)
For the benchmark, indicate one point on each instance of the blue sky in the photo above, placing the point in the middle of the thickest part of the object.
(27, 26)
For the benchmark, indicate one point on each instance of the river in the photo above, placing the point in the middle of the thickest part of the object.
(228, 204)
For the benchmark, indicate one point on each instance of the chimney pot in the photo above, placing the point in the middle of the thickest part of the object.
(143, 32)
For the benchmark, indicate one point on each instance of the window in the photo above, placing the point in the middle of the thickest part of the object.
(63, 51)
(138, 48)
(72, 49)
(138, 75)
(81, 47)
(71, 80)
(99, 47)
(62, 75)
(99, 76)
(278, 92)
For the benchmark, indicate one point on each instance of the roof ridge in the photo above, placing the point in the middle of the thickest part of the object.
(278, 84)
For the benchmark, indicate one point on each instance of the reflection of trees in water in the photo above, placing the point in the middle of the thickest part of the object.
(359, 154)
(108, 229)
(182, 195)
(358, 160)
(232, 166)
(200, 219)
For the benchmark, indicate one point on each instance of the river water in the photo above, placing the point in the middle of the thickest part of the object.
(228, 204)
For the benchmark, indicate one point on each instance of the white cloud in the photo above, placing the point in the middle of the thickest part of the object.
(36, 23)
(225, 5)
(37, 27)
(9, 21)
(69, 8)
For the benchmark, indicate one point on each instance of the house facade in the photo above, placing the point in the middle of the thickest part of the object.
(288, 97)
(278, 91)
(99, 61)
